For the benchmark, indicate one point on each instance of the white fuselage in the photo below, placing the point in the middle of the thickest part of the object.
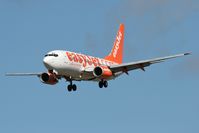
(74, 65)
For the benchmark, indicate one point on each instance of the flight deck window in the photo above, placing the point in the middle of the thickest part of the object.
(55, 55)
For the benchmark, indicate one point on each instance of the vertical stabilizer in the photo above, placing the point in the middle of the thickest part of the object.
(116, 53)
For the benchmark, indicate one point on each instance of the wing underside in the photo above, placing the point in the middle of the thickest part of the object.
(141, 64)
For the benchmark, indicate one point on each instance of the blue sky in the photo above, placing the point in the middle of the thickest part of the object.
(162, 99)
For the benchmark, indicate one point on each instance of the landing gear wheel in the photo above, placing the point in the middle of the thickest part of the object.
(105, 84)
(74, 87)
(70, 87)
(100, 84)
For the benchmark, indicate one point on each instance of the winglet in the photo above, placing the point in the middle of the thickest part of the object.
(187, 53)
(116, 53)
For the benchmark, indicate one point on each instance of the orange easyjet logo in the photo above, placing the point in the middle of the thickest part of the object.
(117, 44)
(86, 60)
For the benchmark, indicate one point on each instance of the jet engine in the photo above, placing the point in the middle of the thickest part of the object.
(102, 71)
(48, 78)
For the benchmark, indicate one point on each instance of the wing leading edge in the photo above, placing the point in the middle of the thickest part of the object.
(23, 74)
(125, 67)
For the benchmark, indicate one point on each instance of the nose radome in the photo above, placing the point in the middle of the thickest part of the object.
(46, 62)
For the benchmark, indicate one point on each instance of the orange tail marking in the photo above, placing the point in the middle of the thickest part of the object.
(116, 53)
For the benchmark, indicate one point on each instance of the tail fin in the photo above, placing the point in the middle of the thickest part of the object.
(116, 53)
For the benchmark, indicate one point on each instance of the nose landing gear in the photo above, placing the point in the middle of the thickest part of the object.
(71, 86)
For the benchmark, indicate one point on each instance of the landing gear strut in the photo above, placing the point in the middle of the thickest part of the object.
(103, 83)
(72, 87)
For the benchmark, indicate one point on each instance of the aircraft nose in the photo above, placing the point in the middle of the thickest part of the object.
(47, 63)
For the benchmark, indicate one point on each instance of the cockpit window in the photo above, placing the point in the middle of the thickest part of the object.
(55, 55)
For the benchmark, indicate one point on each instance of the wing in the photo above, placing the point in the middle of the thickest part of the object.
(23, 74)
(141, 64)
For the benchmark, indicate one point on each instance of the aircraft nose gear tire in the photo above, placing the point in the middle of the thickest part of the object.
(103, 84)
(72, 87)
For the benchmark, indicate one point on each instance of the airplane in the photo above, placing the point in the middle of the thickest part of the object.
(73, 66)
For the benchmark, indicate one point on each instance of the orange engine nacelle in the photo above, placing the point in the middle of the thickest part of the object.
(102, 71)
(48, 78)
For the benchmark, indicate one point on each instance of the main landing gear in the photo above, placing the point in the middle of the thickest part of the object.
(71, 86)
(103, 83)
